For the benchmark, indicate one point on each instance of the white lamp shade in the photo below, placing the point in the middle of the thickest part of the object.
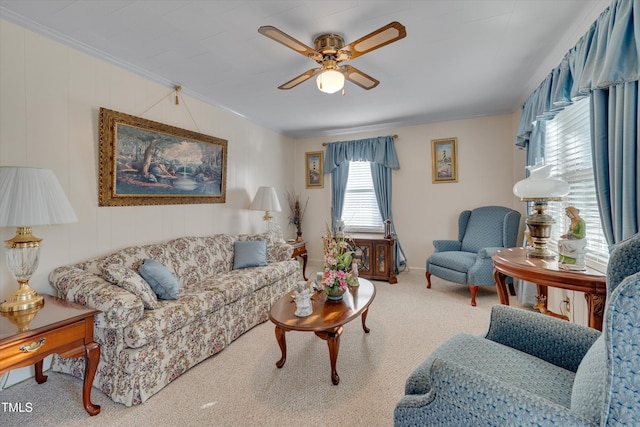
(31, 196)
(540, 185)
(330, 81)
(266, 199)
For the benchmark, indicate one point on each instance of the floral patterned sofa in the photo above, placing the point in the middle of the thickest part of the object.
(142, 350)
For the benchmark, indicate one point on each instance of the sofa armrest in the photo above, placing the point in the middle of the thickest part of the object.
(283, 251)
(494, 400)
(447, 245)
(544, 337)
(119, 307)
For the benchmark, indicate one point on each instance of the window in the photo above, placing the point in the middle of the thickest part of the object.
(568, 147)
(360, 211)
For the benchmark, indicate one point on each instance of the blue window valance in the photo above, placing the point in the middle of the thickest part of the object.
(380, 150)
(607, 55)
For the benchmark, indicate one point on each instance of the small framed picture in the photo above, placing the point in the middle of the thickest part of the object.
(444, 160)
(315, 169)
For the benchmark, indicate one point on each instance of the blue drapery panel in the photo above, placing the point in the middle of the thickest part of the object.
(381, 176)
(381, 152)
(339, 178)
(604, 64)
(616, 156)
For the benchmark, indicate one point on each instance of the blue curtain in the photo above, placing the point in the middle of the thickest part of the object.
(616, 156)
(604, 64)
(339, 177)
(381, 153)
(381, 176)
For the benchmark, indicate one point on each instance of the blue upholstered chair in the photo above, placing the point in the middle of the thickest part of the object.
(537, 370)
(481, 232)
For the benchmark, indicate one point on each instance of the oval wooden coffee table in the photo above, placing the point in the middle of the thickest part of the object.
(326, 321)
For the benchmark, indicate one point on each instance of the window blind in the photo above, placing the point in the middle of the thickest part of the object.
(568, 147)
(360, 211)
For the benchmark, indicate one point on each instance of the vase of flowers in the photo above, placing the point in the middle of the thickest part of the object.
(337, 276)
(297, 212)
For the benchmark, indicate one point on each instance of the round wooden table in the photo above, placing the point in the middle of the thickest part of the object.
(326, 321)
(513, 262)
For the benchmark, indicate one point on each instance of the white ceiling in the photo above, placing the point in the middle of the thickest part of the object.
(460, 59)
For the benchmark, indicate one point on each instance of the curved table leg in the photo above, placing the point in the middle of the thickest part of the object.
(40, 377)
(595, 304)
(333, 341)
(92, 353)
(364, 320)
(304, 257)
(282, 342)
(501, 286)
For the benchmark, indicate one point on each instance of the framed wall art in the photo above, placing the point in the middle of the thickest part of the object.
(315, 169)
(142, 162)
(444, 160)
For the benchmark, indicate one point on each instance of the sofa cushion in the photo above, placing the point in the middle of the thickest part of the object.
(161, 280)
(170, 316)
(587, 397)
(131, 281)
(514, 367)
(249, 254)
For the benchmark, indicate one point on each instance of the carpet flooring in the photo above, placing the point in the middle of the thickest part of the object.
(241, 386)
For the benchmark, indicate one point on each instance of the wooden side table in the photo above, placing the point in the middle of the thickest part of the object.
(58, 327)
(300, 250)
(513, 262)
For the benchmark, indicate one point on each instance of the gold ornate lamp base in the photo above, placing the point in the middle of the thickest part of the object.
(23, 298)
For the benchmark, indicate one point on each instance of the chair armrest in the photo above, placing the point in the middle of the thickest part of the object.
(557, 341)
(119, 307)
(487, 252)
(447, 245)
(496, 401)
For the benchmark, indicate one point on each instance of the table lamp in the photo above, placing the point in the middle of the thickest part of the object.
(266, 200)
(28, 197)
(540, 189)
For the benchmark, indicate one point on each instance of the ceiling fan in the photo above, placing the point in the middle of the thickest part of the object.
(330, 51)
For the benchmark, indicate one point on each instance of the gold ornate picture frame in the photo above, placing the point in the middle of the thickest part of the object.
(314, 169)
(444, 160)
(142, 162)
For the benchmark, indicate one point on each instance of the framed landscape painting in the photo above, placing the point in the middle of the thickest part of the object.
(142, 162)
(444, 160)
(315, 169)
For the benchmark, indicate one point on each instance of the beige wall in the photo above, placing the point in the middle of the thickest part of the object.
(488, 166)
(50, 95)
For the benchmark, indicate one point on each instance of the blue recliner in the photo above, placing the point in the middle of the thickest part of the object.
(537, 370)
(481, 232)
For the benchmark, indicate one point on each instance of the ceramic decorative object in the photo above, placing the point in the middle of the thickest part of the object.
(303, 300)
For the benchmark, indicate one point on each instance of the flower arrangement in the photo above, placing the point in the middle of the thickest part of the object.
(297, 212)
(337, 263)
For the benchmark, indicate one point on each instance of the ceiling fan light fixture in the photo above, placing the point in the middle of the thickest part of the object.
(330, 81)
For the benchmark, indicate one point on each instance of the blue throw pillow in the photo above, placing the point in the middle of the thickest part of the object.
(163, 283)
(247, 253)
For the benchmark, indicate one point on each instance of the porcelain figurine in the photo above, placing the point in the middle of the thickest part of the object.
(572, 246)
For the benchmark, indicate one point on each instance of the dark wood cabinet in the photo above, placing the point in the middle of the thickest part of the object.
(375, 256)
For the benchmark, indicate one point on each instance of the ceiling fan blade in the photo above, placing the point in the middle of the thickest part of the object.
(285, 39)
(300, 79)
(358, 77)
(380, 37)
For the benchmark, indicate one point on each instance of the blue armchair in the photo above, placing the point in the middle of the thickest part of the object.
(481, 232)
(538, 370)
